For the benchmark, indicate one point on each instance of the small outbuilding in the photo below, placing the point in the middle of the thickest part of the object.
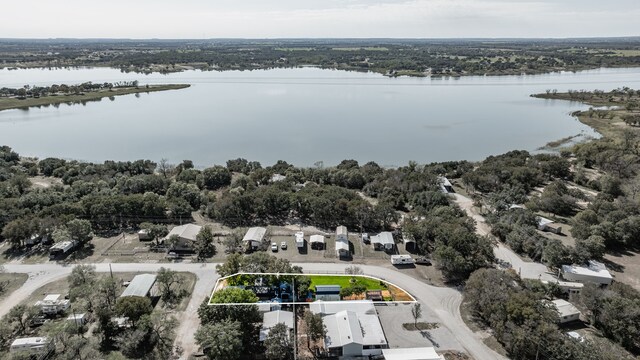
(141, 285)
(445, 185)
(342, 248)
(317, 242)
(328, 292)
(566, 311)
(342, 233)
(254, 236)
(78, 319)
(549, 225)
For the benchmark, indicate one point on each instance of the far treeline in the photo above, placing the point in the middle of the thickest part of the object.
(392, 57)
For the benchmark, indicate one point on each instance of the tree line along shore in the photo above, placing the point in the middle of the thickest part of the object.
(27, 96)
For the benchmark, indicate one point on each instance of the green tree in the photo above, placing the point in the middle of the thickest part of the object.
(204, 246)
(221, 340)
(214, 178)
(416, 313)
(314, 327)
(133, 307)
(17, 231)
(279, 343)
(82, 283)
(79, 230)
(169, 281)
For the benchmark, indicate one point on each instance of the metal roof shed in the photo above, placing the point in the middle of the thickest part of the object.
(140, 285)
(255, 235)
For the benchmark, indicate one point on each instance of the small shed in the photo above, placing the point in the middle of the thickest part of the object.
(78, 319)
(328, 292)
(567, 312)
(141, 285)
(317, 242)
(445, 185)
(254, 236)
(143, 235)
(549, 225)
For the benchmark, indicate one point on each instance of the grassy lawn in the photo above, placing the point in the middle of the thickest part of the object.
(344, 281)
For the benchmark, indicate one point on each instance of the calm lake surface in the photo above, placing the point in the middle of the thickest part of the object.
(301, 116)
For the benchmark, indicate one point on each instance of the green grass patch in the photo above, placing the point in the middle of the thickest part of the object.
(420, 326)
(345, 281)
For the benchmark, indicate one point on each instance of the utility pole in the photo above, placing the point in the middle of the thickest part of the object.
(295, 319)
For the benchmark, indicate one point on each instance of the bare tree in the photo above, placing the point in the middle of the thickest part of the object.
(416, 312)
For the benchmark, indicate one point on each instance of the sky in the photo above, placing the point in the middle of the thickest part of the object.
(197, 19)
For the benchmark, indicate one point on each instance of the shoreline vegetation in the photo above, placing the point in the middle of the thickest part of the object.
(621, 113)
(25, 102)
(389, 57)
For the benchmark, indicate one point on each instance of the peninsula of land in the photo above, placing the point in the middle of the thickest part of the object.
(25, 98)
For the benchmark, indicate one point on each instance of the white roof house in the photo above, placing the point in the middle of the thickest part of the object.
(422, 353)
(566, 311)
(364, 307)
(352, 334)
(140, 285)
(384, 239)
(594, 272)
(316, 239)
(271, 318)
(254, 235)
(186, 232)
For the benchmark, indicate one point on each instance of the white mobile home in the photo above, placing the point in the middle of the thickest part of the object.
(423, 353)
(350, 334)
(271, 318)
(31, 345)
(594, 272)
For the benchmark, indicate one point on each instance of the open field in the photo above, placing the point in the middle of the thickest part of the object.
(14, 103)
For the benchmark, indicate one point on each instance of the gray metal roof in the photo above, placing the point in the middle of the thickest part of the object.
(316, 239)
(255, 234)
(140, 285)
(327, 288)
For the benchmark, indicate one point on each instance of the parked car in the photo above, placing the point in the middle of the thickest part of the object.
(274, 247)
(283, 245)
(365, 238)
(423, 261)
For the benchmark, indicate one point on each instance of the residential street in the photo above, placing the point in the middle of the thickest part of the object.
(445, 302)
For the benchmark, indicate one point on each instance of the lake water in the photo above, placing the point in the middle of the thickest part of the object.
(301, 116)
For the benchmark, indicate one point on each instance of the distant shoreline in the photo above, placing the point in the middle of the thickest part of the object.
(15, 103)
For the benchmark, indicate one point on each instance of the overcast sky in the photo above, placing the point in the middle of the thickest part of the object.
(318, 18)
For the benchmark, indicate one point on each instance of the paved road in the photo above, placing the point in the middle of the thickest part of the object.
(445, 302)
